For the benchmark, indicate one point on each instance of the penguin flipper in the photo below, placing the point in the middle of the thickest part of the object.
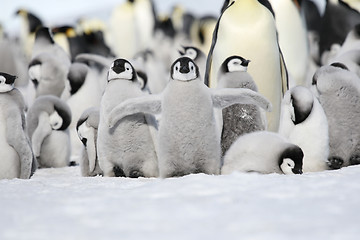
(42, 130)
(106, 62)
(15, 136)
(150, 104)
(284, 74)
(225, 97)
(213, 43)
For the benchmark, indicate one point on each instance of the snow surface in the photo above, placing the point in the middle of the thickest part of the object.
(60, 204)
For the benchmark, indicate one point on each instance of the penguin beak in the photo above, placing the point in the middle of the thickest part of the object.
(297, 171)
(181, 52)
(184, 68)
(246, 63)
(118, 68)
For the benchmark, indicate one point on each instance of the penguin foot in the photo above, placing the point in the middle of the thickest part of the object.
(335, 162)
(136, 174)
(73, 164)
(355, 159)
(118, 172)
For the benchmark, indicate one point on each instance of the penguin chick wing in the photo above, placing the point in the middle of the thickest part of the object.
(106, 62)
(148, 104)
(225, 97)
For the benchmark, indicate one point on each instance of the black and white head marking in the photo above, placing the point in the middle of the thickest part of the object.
(60, 119)
(184, 69)
(191, 52)
(80, 128)
(45, 34)
(336, 65)
(302, 103)
(122, 69)
(291, 160)
(35, 71)
(6, 82)
(234, 64)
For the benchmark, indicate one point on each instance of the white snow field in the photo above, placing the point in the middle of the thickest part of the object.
(60, 204)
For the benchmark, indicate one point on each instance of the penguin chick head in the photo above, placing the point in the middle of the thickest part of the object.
(234, 64)
(191, 52)
(6, 82)
(56, 121)
(122, 69)
(184, 69)
(82, 129)
(330, 78)
(291, 160)
(301, 102)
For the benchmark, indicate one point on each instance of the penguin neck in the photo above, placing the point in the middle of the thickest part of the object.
(248, 9)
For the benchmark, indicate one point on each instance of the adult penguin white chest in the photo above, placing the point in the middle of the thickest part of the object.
(304, 123)
(47, 121)
(247, 28)
(189, 141)
(128, 148)
(16, 154)
(292, 39)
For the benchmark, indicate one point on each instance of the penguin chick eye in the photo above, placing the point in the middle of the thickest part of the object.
(176, 68)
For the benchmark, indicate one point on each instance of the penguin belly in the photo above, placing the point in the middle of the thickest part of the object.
(55, 150)
(9, 159)
(188, 137)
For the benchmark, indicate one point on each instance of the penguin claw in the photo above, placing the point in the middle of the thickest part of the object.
(355, 159)
(335, 162)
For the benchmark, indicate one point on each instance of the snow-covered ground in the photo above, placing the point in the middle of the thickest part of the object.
(60, 204)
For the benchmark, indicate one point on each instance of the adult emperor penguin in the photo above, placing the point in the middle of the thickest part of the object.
(263, 152)
(47, 121)
(338, 91)
(30, 24)
(247, 28)
(238, 119)
(87, 127)
(303, 122)
(16, 154)
(188, 137)
(128, 149)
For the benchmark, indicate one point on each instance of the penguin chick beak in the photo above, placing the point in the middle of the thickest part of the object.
(118, 68)
(297, 171)
(184, 69)
(246, 63)
(181, 52)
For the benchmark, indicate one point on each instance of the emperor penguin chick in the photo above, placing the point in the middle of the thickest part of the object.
(263, 152)
(128, 149)
(87, 127)
(238, 119)
(338, 91)
(303, 122)
(188, 136)
(16, 154)
(47, 121)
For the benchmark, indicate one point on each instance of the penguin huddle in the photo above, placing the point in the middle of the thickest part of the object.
(170, 96)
